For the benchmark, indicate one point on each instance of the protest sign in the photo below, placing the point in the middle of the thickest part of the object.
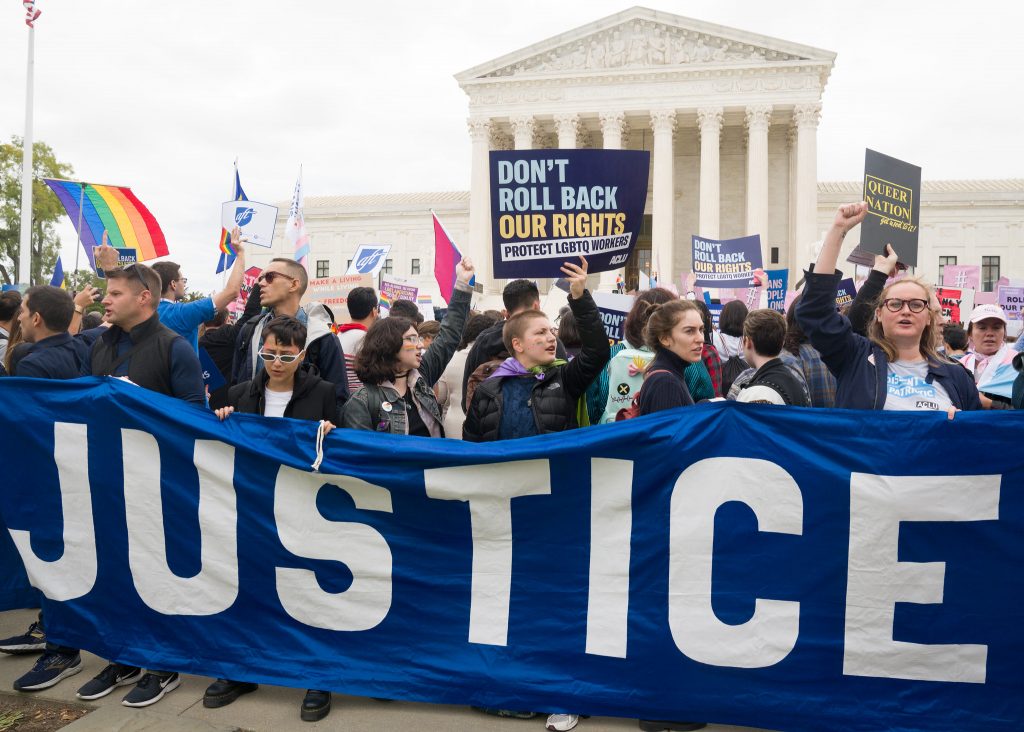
(962, 275)
(1011, 299)
(778, 279)
(256, 221)
(846, 290)
(716, 312)
(248, 282)
(950, 300)
(727, 263)
(892, 189)
(613, 308)
(368, 259)
(333, 292)
(426, 305)
(393, 288)
(124, 258)
(334, 579)
(552, 206)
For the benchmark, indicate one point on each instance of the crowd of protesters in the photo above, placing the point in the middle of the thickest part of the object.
(492, 375)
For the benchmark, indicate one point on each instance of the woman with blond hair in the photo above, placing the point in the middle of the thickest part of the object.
(896, 367)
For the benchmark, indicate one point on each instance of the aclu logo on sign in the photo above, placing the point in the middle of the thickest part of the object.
(369, 259)
(243, 215)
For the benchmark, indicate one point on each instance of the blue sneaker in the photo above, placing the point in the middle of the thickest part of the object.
(31, 641)
(49, 669)
(151, 689)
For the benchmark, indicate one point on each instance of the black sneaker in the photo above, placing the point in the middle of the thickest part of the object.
(113, 676)
(31, 641)
(49, 669)
(151, 689)
(315, 706)
(224, 691)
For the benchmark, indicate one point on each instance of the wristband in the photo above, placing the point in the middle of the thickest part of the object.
(79, 310)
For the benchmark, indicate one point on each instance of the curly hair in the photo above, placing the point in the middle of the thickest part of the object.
(663, 318)
(378, 355)
(636, 319)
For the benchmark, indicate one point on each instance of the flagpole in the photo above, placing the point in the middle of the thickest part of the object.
(78, 229)
(25, 255)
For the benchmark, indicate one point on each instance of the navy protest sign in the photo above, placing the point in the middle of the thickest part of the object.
(846, 290)
(125, 256)
(613, 308)
(727, 263)
(892, 190)
(552, 206)
(778, 279)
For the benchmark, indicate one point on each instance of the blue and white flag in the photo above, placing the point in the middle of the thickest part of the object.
(775, 567)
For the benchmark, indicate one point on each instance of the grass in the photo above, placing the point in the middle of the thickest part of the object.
(9, 719)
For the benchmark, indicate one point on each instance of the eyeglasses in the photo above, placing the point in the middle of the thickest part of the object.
(895, 304)
(415, 340)
(282, 357)
(183, 280)
(269, 277)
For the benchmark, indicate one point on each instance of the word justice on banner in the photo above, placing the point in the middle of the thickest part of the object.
(871, 585)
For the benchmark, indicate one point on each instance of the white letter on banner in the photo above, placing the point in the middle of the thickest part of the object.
(306, 533)
(489, 490)
(774, 497)
(74, 574)
(611, 526)
(877, 580)
(215, 587)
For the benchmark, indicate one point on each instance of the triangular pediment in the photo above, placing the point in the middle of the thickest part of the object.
(638, 39)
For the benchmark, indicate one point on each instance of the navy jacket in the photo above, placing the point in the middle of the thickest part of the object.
(666, 389)
(57, 357)
(860, 366)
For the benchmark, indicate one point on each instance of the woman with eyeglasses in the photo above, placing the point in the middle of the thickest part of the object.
(896, 367)
(398, 375)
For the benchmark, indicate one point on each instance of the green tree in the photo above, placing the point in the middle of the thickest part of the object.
(46, 211)
(77, 280)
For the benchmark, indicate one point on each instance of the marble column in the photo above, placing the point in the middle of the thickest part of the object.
(805, 195)
(613, 126)
(479, 245)
(709, 121)
(567, 126)
(663, 123)
(758, 120)
(523, 130)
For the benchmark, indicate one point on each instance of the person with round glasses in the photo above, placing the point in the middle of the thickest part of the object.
(896, 367)
(398, 374)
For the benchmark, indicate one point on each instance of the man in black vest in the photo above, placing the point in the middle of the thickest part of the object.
(137, 346)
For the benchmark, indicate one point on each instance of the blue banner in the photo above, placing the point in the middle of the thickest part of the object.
(732, 563)
(725, 263)
(846, 291)
(552, 206)
(778, 281)
(613, 308)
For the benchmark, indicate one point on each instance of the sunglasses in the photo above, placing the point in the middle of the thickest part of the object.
(895, 304)
(282, 357)
(269, 277)
(138, 274)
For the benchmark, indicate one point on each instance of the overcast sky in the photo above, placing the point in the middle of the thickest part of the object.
(163, 96)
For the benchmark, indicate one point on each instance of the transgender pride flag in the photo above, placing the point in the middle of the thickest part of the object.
(446, 256)
(295, 229)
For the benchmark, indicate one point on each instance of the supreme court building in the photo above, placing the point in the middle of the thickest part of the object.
(730, 119)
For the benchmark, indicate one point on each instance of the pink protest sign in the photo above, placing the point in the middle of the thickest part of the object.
(961, 275)
(1011, 299)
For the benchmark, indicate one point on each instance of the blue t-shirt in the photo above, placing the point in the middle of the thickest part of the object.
(184, 318)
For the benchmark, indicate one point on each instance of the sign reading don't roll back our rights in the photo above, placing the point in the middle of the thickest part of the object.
(552, 206)
(892, 190)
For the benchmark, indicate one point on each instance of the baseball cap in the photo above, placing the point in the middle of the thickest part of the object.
(987, 311)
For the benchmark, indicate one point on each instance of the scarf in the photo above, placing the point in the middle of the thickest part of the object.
(510, 367)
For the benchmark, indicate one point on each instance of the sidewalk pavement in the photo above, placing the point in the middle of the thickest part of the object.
(270, 709)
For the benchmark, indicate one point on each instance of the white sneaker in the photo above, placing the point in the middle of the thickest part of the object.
(562, 722)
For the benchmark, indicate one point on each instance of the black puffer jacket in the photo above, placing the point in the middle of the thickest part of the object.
(312, 397)
(554, 397)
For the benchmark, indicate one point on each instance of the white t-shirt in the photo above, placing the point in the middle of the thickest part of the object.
(908, 390)
(275, 402)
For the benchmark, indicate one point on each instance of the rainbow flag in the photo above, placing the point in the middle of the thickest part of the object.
(114, 209)
(385, 300)
(227, 252)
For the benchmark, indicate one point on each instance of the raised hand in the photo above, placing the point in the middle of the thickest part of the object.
(105, 255)
(465, 270)
(237, 241)
(577, 276)
(86, 297)
(850, 215)
(886, 263)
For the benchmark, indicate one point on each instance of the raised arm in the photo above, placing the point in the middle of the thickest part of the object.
(595, 351)
(226, 296)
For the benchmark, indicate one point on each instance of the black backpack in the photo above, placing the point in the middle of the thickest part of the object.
(733, 367)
